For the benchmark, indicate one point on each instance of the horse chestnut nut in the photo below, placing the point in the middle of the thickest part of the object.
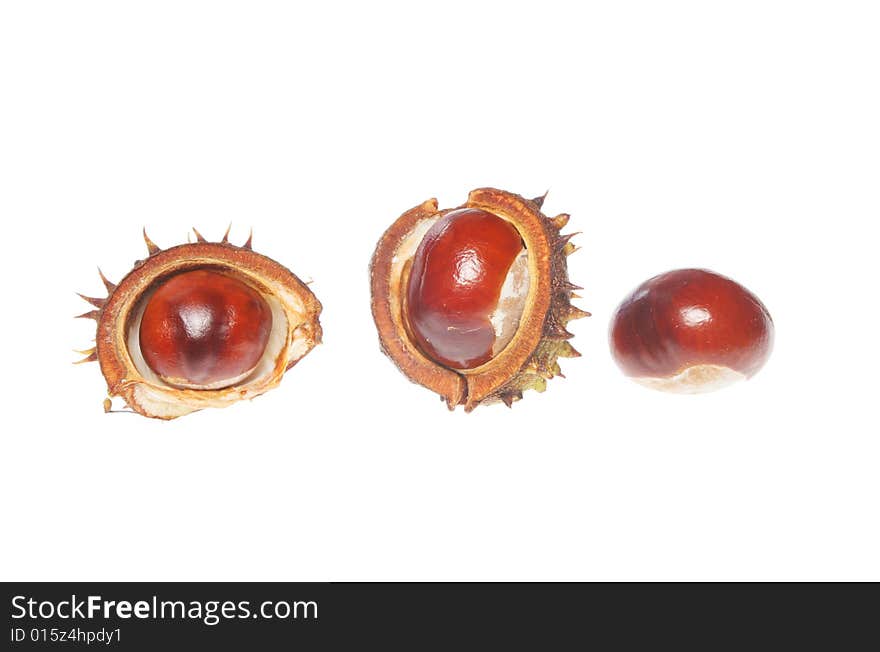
(455, 283)
(691, 331)
(204, 330)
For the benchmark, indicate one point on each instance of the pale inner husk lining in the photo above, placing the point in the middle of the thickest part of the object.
(511, 302)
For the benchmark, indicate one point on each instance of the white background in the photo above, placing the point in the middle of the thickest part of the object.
(741, 136)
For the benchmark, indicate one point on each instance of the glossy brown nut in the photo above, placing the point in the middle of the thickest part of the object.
(690, 331)
(455, 283)
(204, 330)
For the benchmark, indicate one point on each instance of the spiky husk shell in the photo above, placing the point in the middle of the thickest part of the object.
(531, 357)
(295, 309)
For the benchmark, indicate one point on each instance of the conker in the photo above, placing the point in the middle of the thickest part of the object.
(455, 283)
(204, 330)
(472, 302)
(691, 331)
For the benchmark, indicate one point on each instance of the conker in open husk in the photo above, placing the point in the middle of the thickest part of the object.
(473, 302)
(200, 325)
(689, 331)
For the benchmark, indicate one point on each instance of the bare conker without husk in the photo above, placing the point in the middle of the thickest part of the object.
(690, 331)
